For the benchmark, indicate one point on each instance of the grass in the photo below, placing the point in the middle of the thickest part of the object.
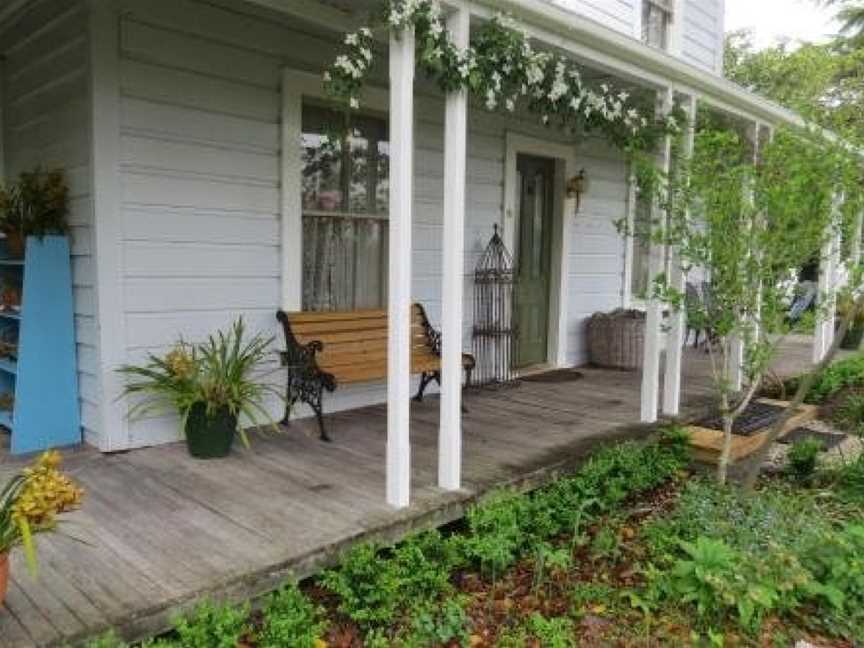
(629, 551)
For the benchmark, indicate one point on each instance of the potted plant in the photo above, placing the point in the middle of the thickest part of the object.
(210, 385)
(855, 332)
(37, 204)
(31, 503)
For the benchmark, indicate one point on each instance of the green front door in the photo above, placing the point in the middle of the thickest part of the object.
(536, 177)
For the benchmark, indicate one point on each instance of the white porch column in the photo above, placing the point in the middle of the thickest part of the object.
(857, 231)
(827, 304)
(399, 312)
(735, 368)
(455, 151)
(654, 309)
(678, 280)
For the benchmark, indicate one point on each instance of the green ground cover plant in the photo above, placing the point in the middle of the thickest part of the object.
(628, 551)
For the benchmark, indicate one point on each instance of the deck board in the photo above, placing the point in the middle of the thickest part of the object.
(162, 530)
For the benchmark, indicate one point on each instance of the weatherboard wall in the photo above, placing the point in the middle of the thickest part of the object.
(200, 147)
(46, 122)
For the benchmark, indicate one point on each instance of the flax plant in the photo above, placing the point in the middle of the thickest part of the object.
(223, 371)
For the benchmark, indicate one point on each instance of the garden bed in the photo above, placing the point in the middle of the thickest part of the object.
(707, 437)
(630, 551)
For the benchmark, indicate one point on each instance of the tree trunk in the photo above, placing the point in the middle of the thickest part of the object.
(723, 463)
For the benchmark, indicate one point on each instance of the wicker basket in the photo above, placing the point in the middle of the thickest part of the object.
(617, 340)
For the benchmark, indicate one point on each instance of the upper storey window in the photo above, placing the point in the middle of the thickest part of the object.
(656, 22)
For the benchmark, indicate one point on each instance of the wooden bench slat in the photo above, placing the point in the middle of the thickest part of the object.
(353, 349)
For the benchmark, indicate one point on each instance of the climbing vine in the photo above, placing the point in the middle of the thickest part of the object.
(504, 72)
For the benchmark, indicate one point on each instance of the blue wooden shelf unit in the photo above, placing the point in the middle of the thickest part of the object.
(42, 374)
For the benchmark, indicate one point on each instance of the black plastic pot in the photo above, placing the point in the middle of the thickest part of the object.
(852, 339)
(210, 437)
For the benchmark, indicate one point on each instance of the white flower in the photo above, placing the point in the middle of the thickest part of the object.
(354, 103)
(545, 119)
(351, 39)
(623, 95)
(366, 32)
(605, 88)
(327, 77)
(511, 105)
(366, 53)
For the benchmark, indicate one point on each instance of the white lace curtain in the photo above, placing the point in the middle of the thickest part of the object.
(345, 221)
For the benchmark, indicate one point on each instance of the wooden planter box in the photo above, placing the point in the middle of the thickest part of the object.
(707, 445)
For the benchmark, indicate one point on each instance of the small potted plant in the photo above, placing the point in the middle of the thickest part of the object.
(31, 503)
(37, 204)
(210, 385)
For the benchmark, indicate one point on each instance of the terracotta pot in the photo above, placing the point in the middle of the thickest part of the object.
(4, 576)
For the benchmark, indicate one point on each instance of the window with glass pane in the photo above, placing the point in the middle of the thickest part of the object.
(641, 249)
(345, 202)
(656, 19)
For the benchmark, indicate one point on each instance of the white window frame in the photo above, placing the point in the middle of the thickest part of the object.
(564, 210)
(297, 86)
(672, 37)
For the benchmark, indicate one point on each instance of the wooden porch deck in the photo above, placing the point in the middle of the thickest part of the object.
(163, 530)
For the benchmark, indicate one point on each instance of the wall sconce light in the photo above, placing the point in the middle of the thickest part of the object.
(576, 186)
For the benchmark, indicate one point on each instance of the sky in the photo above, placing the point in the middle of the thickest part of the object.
(773, 20)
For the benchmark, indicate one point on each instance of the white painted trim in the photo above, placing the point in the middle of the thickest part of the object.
(453, 270)
(296, 86)
(561, 234)
(858, 229)
(654, 311)
(828, 266)
(678, 280)
(629, 241)
(639, 8)
(399, 301)
(104, 28)
(675, 37)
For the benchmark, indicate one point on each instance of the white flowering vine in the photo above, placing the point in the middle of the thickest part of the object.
(504, 71)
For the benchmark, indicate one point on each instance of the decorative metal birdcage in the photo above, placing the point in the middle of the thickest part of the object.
(494, 322)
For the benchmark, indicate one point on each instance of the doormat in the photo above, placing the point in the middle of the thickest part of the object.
(828, 439)
(757, 416)
(557, 376)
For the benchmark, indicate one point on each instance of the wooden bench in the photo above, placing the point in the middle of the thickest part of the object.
(328, 349)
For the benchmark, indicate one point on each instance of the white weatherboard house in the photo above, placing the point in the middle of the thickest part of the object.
(189, 131)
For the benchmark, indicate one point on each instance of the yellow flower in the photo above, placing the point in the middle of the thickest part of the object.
(180, 362)
(47, 492)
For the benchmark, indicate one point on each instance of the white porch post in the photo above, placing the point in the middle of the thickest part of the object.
(827, 305)
(654, 309)
(399, 313)
(735, 368)
(677, 279)
(858, 231)
(455, 151)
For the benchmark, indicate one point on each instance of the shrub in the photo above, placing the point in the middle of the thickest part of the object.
(846, 373)
(376, 583)
(556, 632)
(803, 457)
(290, 620)
(212, 626)
(496, 531)
(850, 415)
(445, 624)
